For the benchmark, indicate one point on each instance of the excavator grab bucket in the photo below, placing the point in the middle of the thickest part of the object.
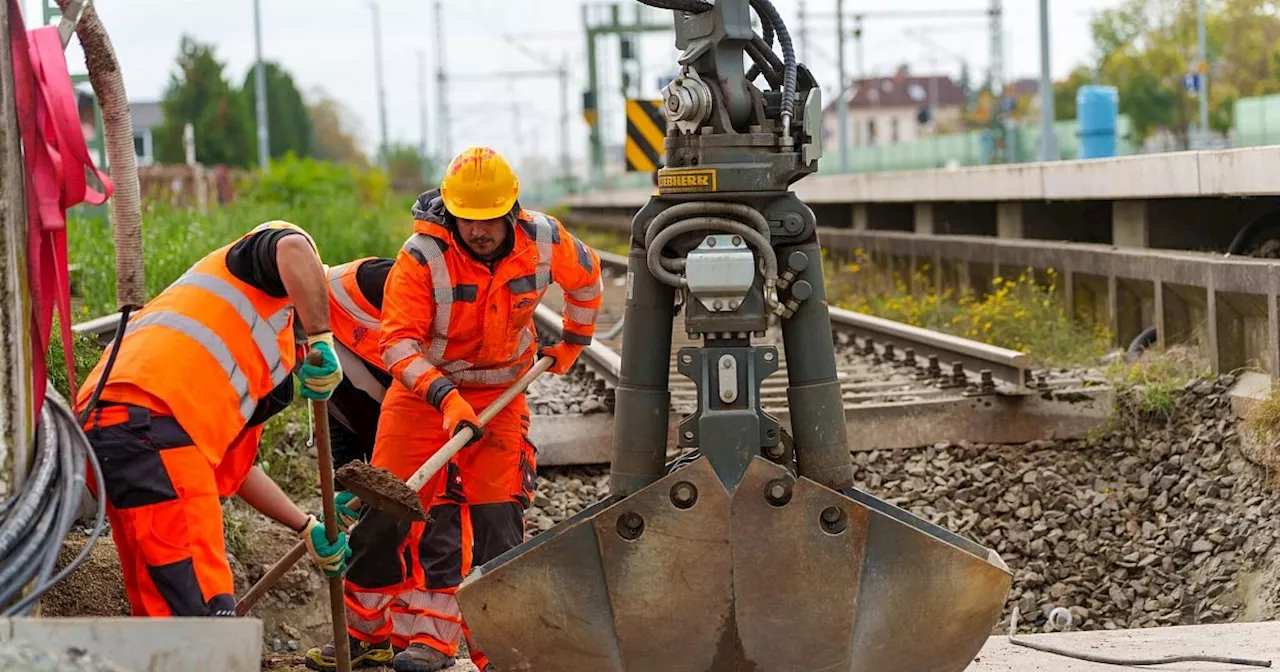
(686, 576)
(750, 552)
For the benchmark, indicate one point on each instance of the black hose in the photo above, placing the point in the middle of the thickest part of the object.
(788, 55)
(1245, 236)
(1144, 340)
(106, 368)
(766, 26)
(766, 62)
(691, 6)
(58, 432)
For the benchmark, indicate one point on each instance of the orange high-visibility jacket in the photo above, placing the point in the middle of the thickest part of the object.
(206, 350)
(448, 320)
(354, 321)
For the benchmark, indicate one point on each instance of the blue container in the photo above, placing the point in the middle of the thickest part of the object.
(1097, 109)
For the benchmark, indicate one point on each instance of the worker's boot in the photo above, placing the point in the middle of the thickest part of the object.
(422, 658)
(363, 654)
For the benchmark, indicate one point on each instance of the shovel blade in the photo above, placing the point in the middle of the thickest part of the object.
(780, 574)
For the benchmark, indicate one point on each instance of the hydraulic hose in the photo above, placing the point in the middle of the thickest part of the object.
(41, 513)
(719, 224)
(691, 6)
(766, 27)
(695, 208)
(770, 13)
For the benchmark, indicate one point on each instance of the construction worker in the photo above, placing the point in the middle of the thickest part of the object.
(198, 371)
(457, 330)
(355, 314)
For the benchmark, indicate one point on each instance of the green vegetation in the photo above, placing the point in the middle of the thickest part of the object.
(1157, 381)
(283, 453)
(1022, 313)
(351, 213)
(288, 125)
(608, 240)
(1145, 47)
(85, 352)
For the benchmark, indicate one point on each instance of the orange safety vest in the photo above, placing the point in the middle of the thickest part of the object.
(354, 321)
(447, 319)
(206, 350)
(356, 329)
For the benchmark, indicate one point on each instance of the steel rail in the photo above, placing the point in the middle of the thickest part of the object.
(1008, 366)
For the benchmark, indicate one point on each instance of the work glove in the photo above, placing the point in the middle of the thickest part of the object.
(458, 414)
(564, 354)
(347, 516)
(318, 382)
(330, 558)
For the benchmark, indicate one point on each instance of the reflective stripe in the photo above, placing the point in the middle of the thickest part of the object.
(442, 604)
(589, 293)
(400, 351)
(211, 342)
(584, 255)
(545, 231)
(579, 314)
(265, 332)
(523, 284)
(431, 254)
(441, 630)
(354, 369)
(411, 374)
(491, 376)
(369, 603)
(344, 299)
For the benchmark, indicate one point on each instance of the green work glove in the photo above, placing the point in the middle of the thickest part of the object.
(347, 516)
(330, 558)
(319, 381)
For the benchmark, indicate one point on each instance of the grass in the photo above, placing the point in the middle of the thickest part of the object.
(1157, 381)
(1020, 312)
(1261, 435)
(350, 214)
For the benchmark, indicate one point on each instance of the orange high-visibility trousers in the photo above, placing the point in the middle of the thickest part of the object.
(403, 576)
(164, 509)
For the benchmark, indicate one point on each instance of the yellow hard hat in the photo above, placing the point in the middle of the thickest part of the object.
(479, 184)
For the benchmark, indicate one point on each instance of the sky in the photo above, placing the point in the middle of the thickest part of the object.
(330, 44)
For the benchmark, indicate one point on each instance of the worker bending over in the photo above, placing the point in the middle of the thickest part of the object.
(355, 313)
(457, 330)
(199, 370)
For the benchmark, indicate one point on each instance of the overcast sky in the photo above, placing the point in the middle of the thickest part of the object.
(329, 44)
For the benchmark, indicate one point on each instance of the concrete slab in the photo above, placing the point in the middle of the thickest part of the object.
(1175, 174)
(572, 439)
(147, 645)
(1239, 640)
(1239, 172)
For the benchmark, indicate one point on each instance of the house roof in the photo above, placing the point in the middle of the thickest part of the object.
(1026, 86)
(146, 115)
(903, 91)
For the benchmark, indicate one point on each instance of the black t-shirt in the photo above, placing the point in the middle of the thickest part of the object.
(253, 261)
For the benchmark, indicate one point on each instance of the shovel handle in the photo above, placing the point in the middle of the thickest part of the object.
(441, 457)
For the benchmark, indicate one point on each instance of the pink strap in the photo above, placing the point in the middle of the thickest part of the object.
(56, 159)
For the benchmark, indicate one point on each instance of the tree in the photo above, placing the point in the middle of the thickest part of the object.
(335, 130)
(1064, 92)
(409, 171)
(198, 93)
(288, 124)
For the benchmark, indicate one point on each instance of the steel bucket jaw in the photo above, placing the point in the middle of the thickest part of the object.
(781, 574)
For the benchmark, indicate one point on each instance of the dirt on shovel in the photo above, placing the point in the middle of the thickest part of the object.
(382, 490)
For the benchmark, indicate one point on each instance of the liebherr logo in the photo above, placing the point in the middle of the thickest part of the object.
(686, 181)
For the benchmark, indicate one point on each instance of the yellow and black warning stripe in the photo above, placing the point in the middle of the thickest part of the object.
(646, 130)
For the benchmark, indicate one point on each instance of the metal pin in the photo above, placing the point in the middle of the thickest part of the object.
(909, 356)
(889, 355)
(934, 370)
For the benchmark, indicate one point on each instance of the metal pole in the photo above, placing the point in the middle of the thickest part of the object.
(17, 424)
(382, 93)
(597, 144)
(859, 65)
(842, 105)
(1204, 72)
(565, 168)
(422, 112)
(442, 90)
(260, 88)
(1048, 135)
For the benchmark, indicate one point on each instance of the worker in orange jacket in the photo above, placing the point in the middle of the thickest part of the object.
(355, 314)
(198, 371)
(457, 330)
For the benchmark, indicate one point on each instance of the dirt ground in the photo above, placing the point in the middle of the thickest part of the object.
(294, 663)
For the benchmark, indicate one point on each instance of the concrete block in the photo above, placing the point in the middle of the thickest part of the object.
(924, 218)
(860, 220)
(902, 187)
(147, 644)
(1009, 220)
(1146, 176)
(572, 439)
(1129, 224)
(1240, 640)
(1239, 172)
(990, 183)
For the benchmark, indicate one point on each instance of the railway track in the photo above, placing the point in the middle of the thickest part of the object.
(902, 386)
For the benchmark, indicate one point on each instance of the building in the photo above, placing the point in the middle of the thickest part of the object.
(146, 118)
(889, 110)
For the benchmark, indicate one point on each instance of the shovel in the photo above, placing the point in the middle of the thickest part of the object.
(398, 498)
(324, 454)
